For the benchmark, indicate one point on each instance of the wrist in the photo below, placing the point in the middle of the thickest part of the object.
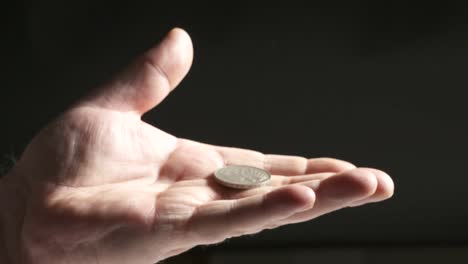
(12, 204)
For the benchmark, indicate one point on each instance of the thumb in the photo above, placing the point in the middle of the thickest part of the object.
(149, 79)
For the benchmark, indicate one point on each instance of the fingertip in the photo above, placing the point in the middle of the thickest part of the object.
(182, 42)
(346, 165)
(303, 195)
(326, 164)
(163, 68)
(178, 32)
(292, 197)
(350, 185)
(149, 79)
(386, 187)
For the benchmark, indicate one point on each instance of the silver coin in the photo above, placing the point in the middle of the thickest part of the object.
(242, 177)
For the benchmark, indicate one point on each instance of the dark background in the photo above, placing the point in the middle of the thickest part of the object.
(378, 83)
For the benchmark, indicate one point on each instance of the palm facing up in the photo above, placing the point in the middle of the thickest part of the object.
(105, 187)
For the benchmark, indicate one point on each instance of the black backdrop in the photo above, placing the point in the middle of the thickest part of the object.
(378, 83)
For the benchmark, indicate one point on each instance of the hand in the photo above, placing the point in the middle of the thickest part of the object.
(99, 185)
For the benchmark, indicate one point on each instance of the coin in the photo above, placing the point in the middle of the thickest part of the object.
(242, 177)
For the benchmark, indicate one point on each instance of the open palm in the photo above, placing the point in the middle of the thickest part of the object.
(106, 187)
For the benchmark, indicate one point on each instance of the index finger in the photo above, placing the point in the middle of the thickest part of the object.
(281, 164)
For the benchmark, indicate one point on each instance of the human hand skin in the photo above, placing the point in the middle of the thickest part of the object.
(99, 185)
